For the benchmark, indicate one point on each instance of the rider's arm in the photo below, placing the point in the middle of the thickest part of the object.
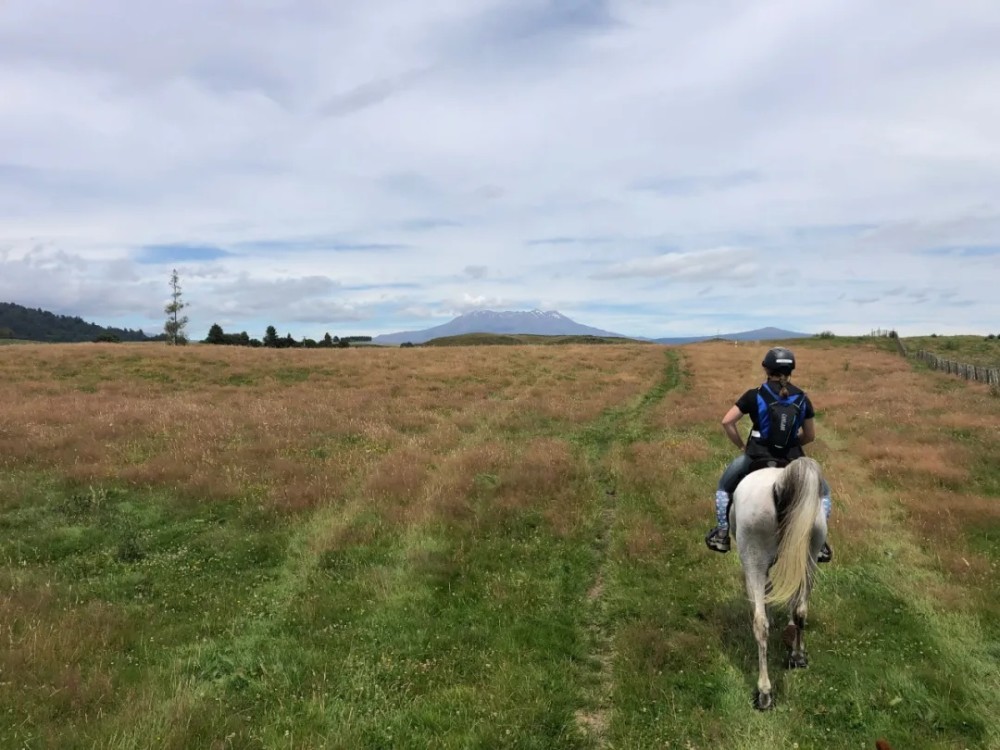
(729, 426)
(808, 433)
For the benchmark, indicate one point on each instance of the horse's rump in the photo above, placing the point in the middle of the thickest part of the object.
(786, 545)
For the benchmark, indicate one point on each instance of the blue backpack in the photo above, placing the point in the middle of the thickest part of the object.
(779, 418)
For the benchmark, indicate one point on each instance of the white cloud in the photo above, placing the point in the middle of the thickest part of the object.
(706, 265)
(439, 157)
(469, 302)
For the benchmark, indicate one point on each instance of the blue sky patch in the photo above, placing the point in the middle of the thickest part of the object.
(512, 24)
(389, 285)
(830, 231)
(965, 251)
(305, 244)
(565, 241)
(427, 223)
(154, 254)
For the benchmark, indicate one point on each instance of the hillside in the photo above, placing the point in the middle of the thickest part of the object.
(758, 334)
(19, 322)
(499, 339)
(975, 350)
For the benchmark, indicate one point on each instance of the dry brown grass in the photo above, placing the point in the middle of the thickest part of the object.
(52, 651)
(650, 465)
(895, 458)
(643, 540)
(545, 476)
(407, 430)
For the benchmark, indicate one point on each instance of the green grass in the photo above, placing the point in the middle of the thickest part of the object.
(448, 637)
(141, 578)
(974, 350)
(880, 343)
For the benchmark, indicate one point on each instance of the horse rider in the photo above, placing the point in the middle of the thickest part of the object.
(777, 389)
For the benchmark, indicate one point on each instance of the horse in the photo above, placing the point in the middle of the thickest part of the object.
(779, 528)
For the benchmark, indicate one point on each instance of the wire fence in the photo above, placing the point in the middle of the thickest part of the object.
(979, 373)
(989, 375)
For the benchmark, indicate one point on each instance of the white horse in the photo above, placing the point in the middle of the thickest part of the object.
(787, 552)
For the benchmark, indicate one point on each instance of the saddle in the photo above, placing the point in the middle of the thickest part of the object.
(768, 463)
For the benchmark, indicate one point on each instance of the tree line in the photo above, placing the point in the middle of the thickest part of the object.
(19, 322)
(272, 340)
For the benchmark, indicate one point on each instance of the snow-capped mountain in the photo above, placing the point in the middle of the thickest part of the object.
(544, 323)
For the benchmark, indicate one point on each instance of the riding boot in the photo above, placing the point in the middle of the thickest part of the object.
(825, 554)
(718, 538)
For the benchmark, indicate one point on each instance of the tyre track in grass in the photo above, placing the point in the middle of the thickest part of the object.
(617, 427)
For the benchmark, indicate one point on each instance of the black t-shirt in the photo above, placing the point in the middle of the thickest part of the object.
(747, 403)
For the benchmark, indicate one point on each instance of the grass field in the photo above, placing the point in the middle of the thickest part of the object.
(476, 547)
(973, 350)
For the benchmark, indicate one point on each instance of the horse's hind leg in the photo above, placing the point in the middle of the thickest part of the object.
(763, 699)
(794, 634)
(798, 608)
(755, 588)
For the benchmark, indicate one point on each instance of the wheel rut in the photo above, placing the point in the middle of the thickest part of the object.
(617, 427)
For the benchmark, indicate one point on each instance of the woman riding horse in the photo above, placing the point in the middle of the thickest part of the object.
(761, 448)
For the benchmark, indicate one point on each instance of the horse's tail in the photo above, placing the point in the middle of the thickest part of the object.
(798, 490)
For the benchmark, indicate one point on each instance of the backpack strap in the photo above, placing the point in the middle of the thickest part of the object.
(763, 418)
(801, 418)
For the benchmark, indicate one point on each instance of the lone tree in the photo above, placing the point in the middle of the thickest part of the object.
(271, 337)
(174, 327)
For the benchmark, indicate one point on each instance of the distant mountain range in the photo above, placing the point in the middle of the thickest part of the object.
(758, 334)
(18, 322)
(538, 322)
(552, 323)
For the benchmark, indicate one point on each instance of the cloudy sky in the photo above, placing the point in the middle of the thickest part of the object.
(673, 167)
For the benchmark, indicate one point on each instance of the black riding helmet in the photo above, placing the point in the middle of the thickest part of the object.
(779, 360)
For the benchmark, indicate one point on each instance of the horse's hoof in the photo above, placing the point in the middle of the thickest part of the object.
(797, 661)
(763, 701)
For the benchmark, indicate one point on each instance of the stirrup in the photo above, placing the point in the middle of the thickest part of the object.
(717, 540)
(825, 554)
